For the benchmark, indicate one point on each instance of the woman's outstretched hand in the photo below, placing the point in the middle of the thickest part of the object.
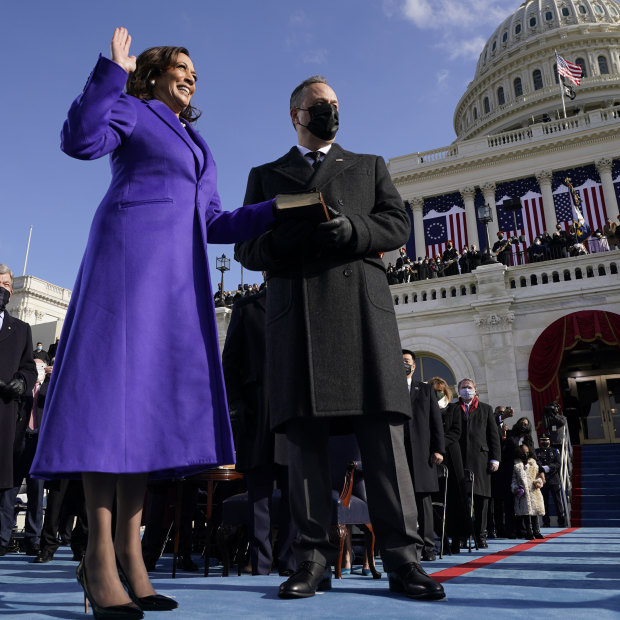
(119, 50)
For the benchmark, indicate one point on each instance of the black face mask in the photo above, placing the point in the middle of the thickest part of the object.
(525, 457)
(4, 298)
(407, 369)
(522, 429)
(323, 120)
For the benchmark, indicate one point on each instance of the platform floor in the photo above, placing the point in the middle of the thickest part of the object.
(574, 573)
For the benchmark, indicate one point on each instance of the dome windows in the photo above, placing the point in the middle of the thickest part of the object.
(501, 100)
(548, 16)
(603, 68)
(486, 105)
(582, 9)
(565, 11)
(518, 29)
(494, 47)
(475, 113)
(505, 37)
(613, 11)
(598, 9)
(532, 21)
(518, 86)
(537, 79)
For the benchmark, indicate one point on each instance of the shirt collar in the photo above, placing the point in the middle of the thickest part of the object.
(304, 151)
(472, 405)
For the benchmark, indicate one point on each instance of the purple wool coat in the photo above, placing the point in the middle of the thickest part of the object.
(137, 384)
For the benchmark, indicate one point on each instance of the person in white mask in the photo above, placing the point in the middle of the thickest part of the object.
(481, 450)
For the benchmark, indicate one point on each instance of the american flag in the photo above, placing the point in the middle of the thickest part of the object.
(444, 220)
(587, 183)
(568, 69)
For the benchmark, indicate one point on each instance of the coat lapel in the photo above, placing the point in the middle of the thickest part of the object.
(294, 166)
(7, 327)
(335, 163)
(170, 118)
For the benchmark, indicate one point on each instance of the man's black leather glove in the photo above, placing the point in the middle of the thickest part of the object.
(15, 388)
(291, 235)
(336, 233)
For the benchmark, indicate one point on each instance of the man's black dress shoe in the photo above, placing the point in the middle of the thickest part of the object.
(411, 579)
(429, 556)
(33, 549)
(44, 557)
(306, 580)
(482, 543)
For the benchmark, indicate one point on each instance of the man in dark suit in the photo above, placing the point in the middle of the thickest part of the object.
(18, 374)
(481, 450)
(425, 445)
(502, 250)
(333, 344)
(450, 260)
(261, 454)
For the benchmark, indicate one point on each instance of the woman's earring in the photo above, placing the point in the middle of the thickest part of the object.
(152, 82)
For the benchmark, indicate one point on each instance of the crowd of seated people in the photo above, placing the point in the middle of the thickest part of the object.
(230, 297)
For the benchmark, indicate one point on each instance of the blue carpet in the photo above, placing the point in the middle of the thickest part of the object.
(573, 576)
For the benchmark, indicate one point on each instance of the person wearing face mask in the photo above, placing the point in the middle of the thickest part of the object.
(537, 251)
(502, 249)
(40, 353)
(451, 421)
(24, 447)
(480, 447)
(18, 375)
(525, 485)
(424, 441)
(550, 462)
(332, 342)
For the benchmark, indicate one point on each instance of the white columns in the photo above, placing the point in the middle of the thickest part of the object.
(544, 178)
(488, 191)
(417, 208)
(468, 194)
(603, 166)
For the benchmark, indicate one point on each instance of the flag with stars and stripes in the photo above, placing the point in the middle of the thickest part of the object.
(568, 69)
(586, 182)
(444, 220)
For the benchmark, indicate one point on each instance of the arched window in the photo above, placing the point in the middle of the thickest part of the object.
(598, 9)
(532, 21)
(501, 100)
(537, 77)
(487, 106)
(603, 69)
(565, 11)
(518, 29)
(582, 9)
(475, 113)
(518, 87)
(505, 37)
(582, 63)
(494, 46)
(548, 16)
(427, 367)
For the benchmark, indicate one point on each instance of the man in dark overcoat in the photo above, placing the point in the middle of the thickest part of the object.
(18, 374)
(333, 348)
(261, 453)
(450, 260)
(425, 449)
(481, 450)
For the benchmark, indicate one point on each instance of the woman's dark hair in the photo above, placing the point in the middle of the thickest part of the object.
(150, 64)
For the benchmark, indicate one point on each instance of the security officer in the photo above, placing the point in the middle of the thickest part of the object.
(550, 462)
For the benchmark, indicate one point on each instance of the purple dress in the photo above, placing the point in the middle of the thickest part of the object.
(137, 384)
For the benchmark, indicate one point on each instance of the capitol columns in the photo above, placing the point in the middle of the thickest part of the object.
(488, 191)
(603, 167)
(417, 208)
(544, 178)
(468, 194)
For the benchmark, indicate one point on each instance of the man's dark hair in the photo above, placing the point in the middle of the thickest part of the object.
(409, 352)
(298, 94)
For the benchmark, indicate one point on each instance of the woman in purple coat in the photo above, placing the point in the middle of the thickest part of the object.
(137, 388)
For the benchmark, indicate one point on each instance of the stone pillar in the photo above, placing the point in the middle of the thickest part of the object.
(468, 194)
(417, 207)
(488, 191)
(544, 178)
(603, 166)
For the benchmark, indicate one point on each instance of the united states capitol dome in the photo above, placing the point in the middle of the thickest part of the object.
(516, 83)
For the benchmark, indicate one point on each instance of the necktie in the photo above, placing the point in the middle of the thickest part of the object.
(315, 156)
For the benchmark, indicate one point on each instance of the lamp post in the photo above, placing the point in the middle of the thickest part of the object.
(223, 264)
(485, 215)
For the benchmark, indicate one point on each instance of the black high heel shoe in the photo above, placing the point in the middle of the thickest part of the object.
(128, 611)
(154, 602)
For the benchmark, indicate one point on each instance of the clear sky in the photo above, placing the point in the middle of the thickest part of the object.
(398, 67)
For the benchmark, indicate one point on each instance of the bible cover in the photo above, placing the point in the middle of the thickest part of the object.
(302, 205)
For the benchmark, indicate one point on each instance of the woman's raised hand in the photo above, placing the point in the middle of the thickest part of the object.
(119, 50)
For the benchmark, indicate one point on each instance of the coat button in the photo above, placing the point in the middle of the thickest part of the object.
(348, 271)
